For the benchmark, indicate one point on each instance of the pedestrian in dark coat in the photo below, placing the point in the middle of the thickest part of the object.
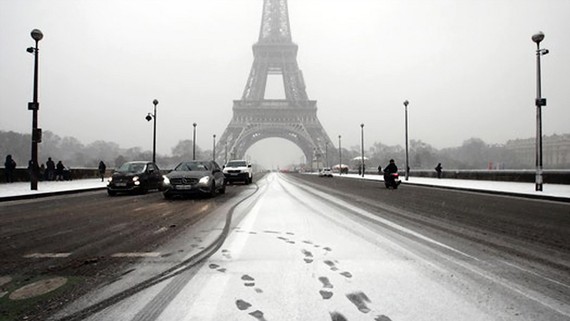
(102, 169)
(438, 169)
(9, 169)
(50, 169)
(59, 171)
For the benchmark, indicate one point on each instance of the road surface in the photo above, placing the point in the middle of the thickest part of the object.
(304, 248)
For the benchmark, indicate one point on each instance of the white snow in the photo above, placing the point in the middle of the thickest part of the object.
(23, 188)
(555, 190)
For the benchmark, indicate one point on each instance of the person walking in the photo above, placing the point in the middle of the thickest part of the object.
(50, 169)
(9, 168)
(102, 169)
(59, 171)
(438, 169)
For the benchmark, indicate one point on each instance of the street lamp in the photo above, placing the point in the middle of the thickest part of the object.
(406, 102)
(34, 106)
(362, 148)
(339, 156)
(153, 117)
(194, 142)
(539, 102)
(214, 149)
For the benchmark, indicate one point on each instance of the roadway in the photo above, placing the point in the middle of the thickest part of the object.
(298, 247)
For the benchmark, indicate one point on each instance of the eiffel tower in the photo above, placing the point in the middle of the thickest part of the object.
(293, 118)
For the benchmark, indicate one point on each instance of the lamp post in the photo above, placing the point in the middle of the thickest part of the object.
(153, 117)
(339, 156)
(539, 102)
(37, 35)
(194, 142)
(214, 148)
(362, 148)
(406, 102)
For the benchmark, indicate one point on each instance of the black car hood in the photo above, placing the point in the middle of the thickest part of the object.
(126, 175)
(188, 174)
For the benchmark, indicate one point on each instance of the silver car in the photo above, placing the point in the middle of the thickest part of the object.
(194, 177)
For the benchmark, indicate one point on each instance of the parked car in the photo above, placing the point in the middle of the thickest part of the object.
(133, 177)
(238, 171)
(194, 177)
(326, 172)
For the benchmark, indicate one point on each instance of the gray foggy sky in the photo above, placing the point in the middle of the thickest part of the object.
(467, 68)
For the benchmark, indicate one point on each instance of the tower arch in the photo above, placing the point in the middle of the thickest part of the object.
(293, 118)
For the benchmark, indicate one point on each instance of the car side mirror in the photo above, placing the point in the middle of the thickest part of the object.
(249, 165)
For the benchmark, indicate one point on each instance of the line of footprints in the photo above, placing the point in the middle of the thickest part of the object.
(359, 299)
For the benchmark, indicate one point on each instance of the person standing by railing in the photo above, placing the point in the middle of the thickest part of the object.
(9, 168)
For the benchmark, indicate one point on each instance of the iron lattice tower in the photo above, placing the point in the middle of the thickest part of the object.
(293, 118)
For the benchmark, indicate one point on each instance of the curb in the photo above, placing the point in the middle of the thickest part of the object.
(48, 194)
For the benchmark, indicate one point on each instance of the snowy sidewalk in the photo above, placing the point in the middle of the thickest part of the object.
(21, 190)
(550, 191)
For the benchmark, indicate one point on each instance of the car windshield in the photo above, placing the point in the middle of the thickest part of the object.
(192, 166)
(132, 168)
(236, 164)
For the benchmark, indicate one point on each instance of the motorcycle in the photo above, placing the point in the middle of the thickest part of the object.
(392, 180)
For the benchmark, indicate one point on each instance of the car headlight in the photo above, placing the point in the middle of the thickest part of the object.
(165, 180)
(135, 179)
(204, 180)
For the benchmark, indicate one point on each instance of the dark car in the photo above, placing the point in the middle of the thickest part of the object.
(135, 177)
(194, 177)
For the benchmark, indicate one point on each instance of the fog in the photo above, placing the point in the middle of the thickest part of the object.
(466, 67)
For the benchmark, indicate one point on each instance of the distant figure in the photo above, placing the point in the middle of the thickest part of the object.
(438, 169)
(59, 171)
(50, 169)
(389, 169)
(379, 169)
(102, 169)
(42, 173)
(9, 168)
(33, 169)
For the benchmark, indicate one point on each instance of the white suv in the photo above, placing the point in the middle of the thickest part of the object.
(238, 170)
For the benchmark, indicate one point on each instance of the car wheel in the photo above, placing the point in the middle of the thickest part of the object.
(251, 180)
(111, 193)
(212, 190)
(223, 189)
(167, 196)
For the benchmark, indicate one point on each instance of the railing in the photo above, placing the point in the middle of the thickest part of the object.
(552, 176)
(22, 174)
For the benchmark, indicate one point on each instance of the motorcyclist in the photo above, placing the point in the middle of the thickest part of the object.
(389, 169)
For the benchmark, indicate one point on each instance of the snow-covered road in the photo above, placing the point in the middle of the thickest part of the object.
(294, 253)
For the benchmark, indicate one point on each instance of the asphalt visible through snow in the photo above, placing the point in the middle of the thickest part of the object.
(295, 247)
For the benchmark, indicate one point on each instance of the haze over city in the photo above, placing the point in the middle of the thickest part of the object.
(467, 69)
